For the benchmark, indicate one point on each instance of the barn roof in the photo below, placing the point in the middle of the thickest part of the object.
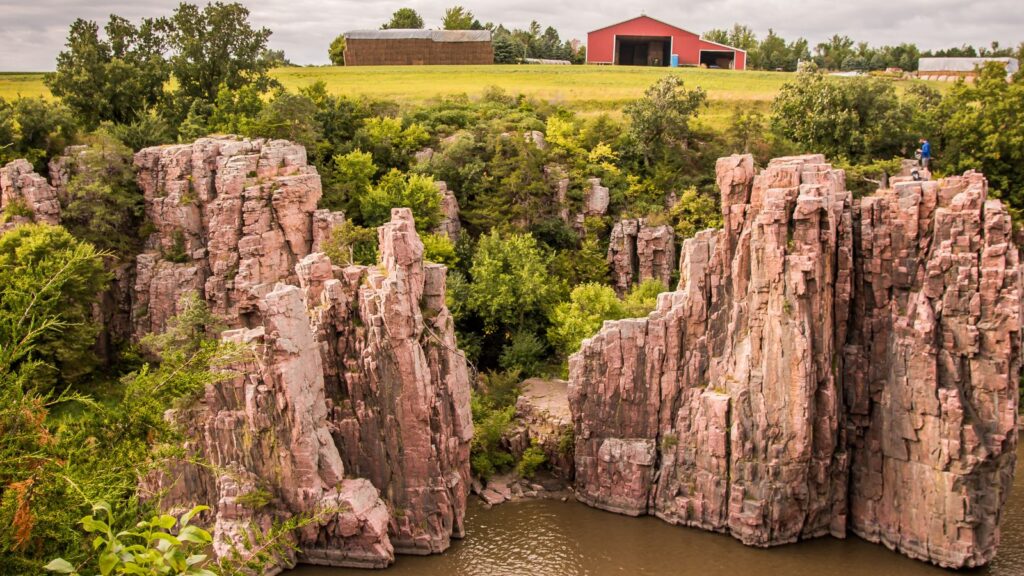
(962, 64)
(639, 17)
(702, 39)
(414, 34)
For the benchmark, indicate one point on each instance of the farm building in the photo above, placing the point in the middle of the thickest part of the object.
(950, 69)
(404, 47)
(644, 41)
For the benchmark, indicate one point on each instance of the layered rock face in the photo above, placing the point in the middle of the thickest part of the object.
(932, 362)
(231, 218)
(268, 455)
(397, 384)
(638, 251)
(358, 400)
(825, 364)
(26, 196)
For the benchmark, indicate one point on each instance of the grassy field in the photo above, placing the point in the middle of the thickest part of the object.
(585, 89)
(17, 84)
(588, 90)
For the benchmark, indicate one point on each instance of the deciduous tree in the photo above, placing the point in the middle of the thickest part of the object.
(116, 78)
(216, 46)
(404, 18)
(457, 18)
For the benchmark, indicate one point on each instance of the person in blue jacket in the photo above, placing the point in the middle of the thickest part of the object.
(926, 153)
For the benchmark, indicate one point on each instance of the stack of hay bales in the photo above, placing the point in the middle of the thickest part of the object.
(416, 47)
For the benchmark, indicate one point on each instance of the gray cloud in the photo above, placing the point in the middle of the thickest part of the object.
(32, 32)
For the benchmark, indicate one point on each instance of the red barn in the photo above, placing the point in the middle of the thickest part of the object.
(644, 41)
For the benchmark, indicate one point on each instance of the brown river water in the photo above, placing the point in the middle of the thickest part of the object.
(552, 538)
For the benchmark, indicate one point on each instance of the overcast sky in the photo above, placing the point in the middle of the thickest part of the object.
(32, 32)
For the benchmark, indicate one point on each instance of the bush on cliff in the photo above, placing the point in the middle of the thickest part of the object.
(47, 273)
(34, 129)
(102, 203)
(588, 307)
(396, 190)
(856, 118)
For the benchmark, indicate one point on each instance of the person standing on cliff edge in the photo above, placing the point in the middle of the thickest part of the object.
(926, 154)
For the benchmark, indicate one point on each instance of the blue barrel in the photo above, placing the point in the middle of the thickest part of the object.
(675, 61)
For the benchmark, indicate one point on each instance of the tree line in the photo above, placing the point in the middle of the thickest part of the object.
(839, 52)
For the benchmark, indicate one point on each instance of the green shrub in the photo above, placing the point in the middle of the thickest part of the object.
(177, 253)
(439, 249)
(53, 275)
(102, 203)
(399, 190)
(581, 317)
(694, 212)
(643, 298)
(255, 499)
(16, 208)
(493, 407)
(567, 442)
(350, 244)
(487, 455)
(152, 548)
(531, 461)
(524, 353)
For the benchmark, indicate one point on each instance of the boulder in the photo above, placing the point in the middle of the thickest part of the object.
(595, 199)
(825, 365)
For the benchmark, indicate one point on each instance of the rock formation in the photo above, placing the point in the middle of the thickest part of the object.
(231, 218)
(450, 225)
(826, 364)
(595, 199)
(268, 454)
(26, 196)
(398, 385)
(357, 375)
(638, 251)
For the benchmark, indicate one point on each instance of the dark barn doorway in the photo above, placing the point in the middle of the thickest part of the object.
(643, 50)
(724, 59)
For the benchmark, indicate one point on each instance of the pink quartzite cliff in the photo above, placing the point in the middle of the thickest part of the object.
(357, 399)
(826, 364)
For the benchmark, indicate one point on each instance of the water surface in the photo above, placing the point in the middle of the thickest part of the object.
(552, 538)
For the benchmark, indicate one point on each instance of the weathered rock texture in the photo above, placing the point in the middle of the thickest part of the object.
(638, 251)
(825, 364)
(397, 384)
(358, 398)
(266, 444)
(26, 196)
(450, 225)
(595, 199)
(231, 217)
